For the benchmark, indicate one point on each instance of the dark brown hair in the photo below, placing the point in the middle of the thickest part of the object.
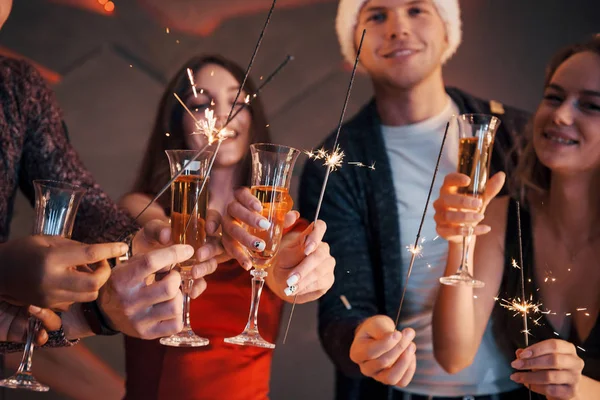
(154, 171)
(530, 173)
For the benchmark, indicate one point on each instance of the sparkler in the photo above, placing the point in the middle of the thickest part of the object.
(191, 78)
(332, 160)
(524, 309)
(416, 248)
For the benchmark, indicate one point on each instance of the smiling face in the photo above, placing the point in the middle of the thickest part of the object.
(566, 131)
(404, 43)
(216, 90)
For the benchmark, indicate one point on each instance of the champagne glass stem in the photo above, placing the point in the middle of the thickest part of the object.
(258, 282)
(464, 264)
(26, 361)
(186, 289)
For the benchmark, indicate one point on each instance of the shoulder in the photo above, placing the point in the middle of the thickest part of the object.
(508, 114)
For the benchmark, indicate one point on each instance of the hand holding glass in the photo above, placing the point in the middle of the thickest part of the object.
(272, 167)
(476, 143)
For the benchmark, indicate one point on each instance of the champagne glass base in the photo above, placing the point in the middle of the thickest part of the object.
(185, 338)
(461, 279)
(24, 381)
(250, 339)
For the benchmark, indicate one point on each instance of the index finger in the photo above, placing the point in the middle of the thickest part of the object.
(155, 232)
(79, 254)
(245, 197)
(213, 221)
(550, 346)
(454, 180)
(315, 237)
(147, 264)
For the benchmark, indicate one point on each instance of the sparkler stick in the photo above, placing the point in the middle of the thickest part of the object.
(331, 161)
(168, 184)
(415, 248)
(525, 330)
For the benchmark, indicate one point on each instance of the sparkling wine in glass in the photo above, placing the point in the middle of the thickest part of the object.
(188, 217)
(272, 167)
(476, 143)
(56, 206)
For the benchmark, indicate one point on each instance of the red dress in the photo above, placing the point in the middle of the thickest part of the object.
(219, 370)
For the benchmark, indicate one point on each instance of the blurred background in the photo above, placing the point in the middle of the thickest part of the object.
(109, 61)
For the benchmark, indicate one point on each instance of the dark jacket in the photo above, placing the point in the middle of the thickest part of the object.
(360, 210)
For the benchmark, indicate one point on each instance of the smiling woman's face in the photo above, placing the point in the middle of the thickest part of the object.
(216, 89)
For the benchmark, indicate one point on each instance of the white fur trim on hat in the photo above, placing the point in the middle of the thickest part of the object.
(347, 17)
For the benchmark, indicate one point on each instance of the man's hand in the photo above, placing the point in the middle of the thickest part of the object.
(54, 272)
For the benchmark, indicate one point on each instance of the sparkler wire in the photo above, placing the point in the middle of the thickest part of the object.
(414, 252)
(330, 167)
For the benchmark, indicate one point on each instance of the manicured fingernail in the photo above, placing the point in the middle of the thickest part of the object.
(309, 247)
(259, 245)
(264, 224)
(34, 309)
(290, 290)
(293, 279)
(526, 354)
(257, 206)
(517, 364)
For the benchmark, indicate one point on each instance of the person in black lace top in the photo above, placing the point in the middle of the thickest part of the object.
(558, 185)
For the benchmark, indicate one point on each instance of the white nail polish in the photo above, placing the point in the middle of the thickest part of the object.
(292, 280)
(264, 224)
(259, 245)
(290, 290)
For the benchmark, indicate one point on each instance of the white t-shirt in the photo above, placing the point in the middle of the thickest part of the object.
(413, 151)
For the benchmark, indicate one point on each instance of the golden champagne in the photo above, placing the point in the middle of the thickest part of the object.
(473, 161)
(276, 203)
(185, 190)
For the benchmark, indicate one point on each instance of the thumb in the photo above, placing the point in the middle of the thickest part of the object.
(377, 327)
(494, 186)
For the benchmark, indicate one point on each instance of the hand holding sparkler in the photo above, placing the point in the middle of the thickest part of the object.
(303, 266)
(551, 368)
(383, 353)
(454, 211)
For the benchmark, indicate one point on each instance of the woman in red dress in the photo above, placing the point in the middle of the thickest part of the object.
(219, 370)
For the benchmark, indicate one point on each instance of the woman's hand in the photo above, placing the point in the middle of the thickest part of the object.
(455, 212)
(551, 368)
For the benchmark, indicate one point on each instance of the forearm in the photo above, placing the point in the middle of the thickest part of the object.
(454, 320)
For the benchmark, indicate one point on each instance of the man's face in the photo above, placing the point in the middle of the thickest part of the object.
(404, 43)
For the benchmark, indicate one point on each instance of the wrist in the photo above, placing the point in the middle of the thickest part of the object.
(98, 321)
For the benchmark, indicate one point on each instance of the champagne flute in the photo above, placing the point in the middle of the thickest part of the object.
(272, 167)
(56, 206)
(189, 203)
(476, 143)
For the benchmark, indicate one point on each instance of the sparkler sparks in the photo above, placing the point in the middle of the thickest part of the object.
(416, 250)
(191, 77)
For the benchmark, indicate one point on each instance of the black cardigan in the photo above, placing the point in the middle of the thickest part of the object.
(360, 210)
